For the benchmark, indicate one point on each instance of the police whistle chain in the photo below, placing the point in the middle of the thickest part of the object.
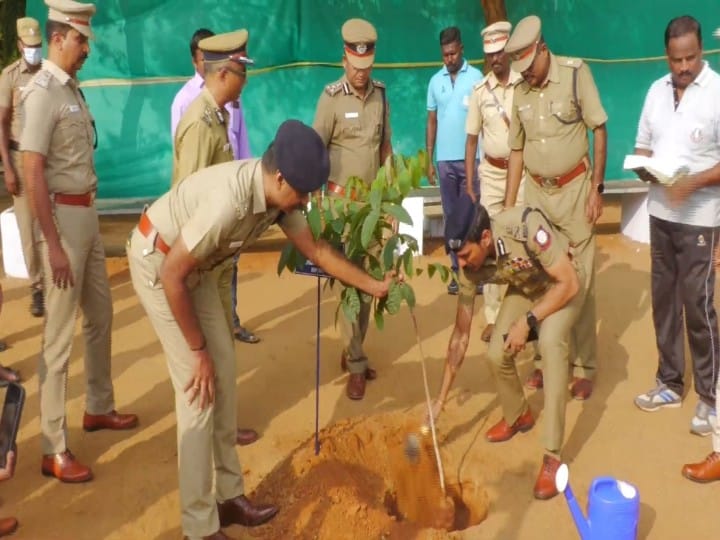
(441, 473)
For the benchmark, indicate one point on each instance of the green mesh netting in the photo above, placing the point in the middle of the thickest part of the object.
(140, 59)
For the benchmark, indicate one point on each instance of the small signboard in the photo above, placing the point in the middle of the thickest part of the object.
(310, 269)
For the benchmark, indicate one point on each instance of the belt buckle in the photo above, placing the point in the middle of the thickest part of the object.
(549, 181)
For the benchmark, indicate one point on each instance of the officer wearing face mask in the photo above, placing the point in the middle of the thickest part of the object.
(12, 81)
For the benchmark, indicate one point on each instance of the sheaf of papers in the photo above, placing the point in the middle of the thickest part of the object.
(655, 170)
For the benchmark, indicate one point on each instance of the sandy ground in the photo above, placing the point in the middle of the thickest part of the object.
(135, 492)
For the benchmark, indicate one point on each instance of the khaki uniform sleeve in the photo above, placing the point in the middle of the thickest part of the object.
(6, 90)
(39, 119)
(544, 242)
(210, 225)
(516, 136)
(474, 120)
(387, 128)
(294, 221)
(467, 286)
(324, 122)
(195, 148)
(592, 110)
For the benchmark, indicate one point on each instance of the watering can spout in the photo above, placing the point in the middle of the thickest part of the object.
(561, 482)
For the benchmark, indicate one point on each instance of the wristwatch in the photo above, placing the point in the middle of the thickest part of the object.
(601, 188)
(532, 321)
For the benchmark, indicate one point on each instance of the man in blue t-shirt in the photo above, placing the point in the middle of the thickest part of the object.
(447, 105)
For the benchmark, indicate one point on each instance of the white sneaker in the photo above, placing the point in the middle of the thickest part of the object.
(657, 398)
(704, 420)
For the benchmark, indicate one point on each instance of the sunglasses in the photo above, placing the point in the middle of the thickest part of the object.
(454, 244)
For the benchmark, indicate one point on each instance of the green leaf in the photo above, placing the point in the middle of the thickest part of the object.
(284, 257)
(338, 225)
(394, 298)
(431, 270)
(408, 294)
(379, 319)
(376, 194)
(398, 212)
(405, 182)
(368, 228)
(313, 218)
(408, 262)
(418, 272)
(350, 301)
(388, 253)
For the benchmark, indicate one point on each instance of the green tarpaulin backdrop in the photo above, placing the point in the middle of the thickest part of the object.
(141, 58)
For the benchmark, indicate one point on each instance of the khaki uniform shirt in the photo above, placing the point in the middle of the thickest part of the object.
(486, 113)
(525, 244)
(352, 126)
(219, 211)
(201, 137)
(13, 80)
(56, 123)
(549, 125)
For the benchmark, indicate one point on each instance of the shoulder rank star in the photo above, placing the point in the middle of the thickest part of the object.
(542, 238)
(220, 117)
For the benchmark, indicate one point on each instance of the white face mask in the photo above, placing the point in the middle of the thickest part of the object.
(32, 55)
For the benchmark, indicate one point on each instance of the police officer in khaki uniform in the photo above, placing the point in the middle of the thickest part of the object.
(201, 138)
(520, 248)
(552, 111)
(205, 219)
(13, 80)
(353, 120)
(56, 142)
(489, 112)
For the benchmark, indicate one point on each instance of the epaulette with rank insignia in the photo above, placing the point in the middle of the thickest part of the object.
(11, 67)
(478, 85)
(333, 88)
(570, 62)
(379, 84)
(42, 78)
(207, 116)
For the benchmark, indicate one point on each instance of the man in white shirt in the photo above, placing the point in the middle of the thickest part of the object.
(680, 122)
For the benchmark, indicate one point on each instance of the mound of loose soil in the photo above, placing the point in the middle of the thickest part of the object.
(362, 485)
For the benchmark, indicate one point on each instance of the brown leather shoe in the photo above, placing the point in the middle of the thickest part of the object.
(535, 380)
(241, 511)
(356, 386)
(65, 468)
(705, 471)
(111, 420)
(8, 526)
(215, 536)
(370, 373)
(545, 484)
(487, 333)
(245, 436)
(502, 432)
(581, 389)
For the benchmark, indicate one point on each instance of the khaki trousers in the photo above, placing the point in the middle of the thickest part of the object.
(80, 235)
(493, 182)
(205, 439)
(565, 208)
(223, 274)
(29, 234)
(553, 345)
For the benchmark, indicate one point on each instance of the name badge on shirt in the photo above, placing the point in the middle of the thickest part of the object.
(352, 115)
(235, 245)
(466, 101)
(226, 147)
(73, 108)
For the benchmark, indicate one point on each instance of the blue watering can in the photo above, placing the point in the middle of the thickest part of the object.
(613, 508)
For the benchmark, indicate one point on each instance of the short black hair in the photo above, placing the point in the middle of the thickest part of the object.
(479, 224)
(268, 162)
(199, 35)
(680, 26)
(449, 35)
(52, 27)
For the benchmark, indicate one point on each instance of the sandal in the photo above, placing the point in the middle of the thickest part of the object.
(246, 336)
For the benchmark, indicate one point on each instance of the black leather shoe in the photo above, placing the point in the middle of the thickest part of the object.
(241, 511)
